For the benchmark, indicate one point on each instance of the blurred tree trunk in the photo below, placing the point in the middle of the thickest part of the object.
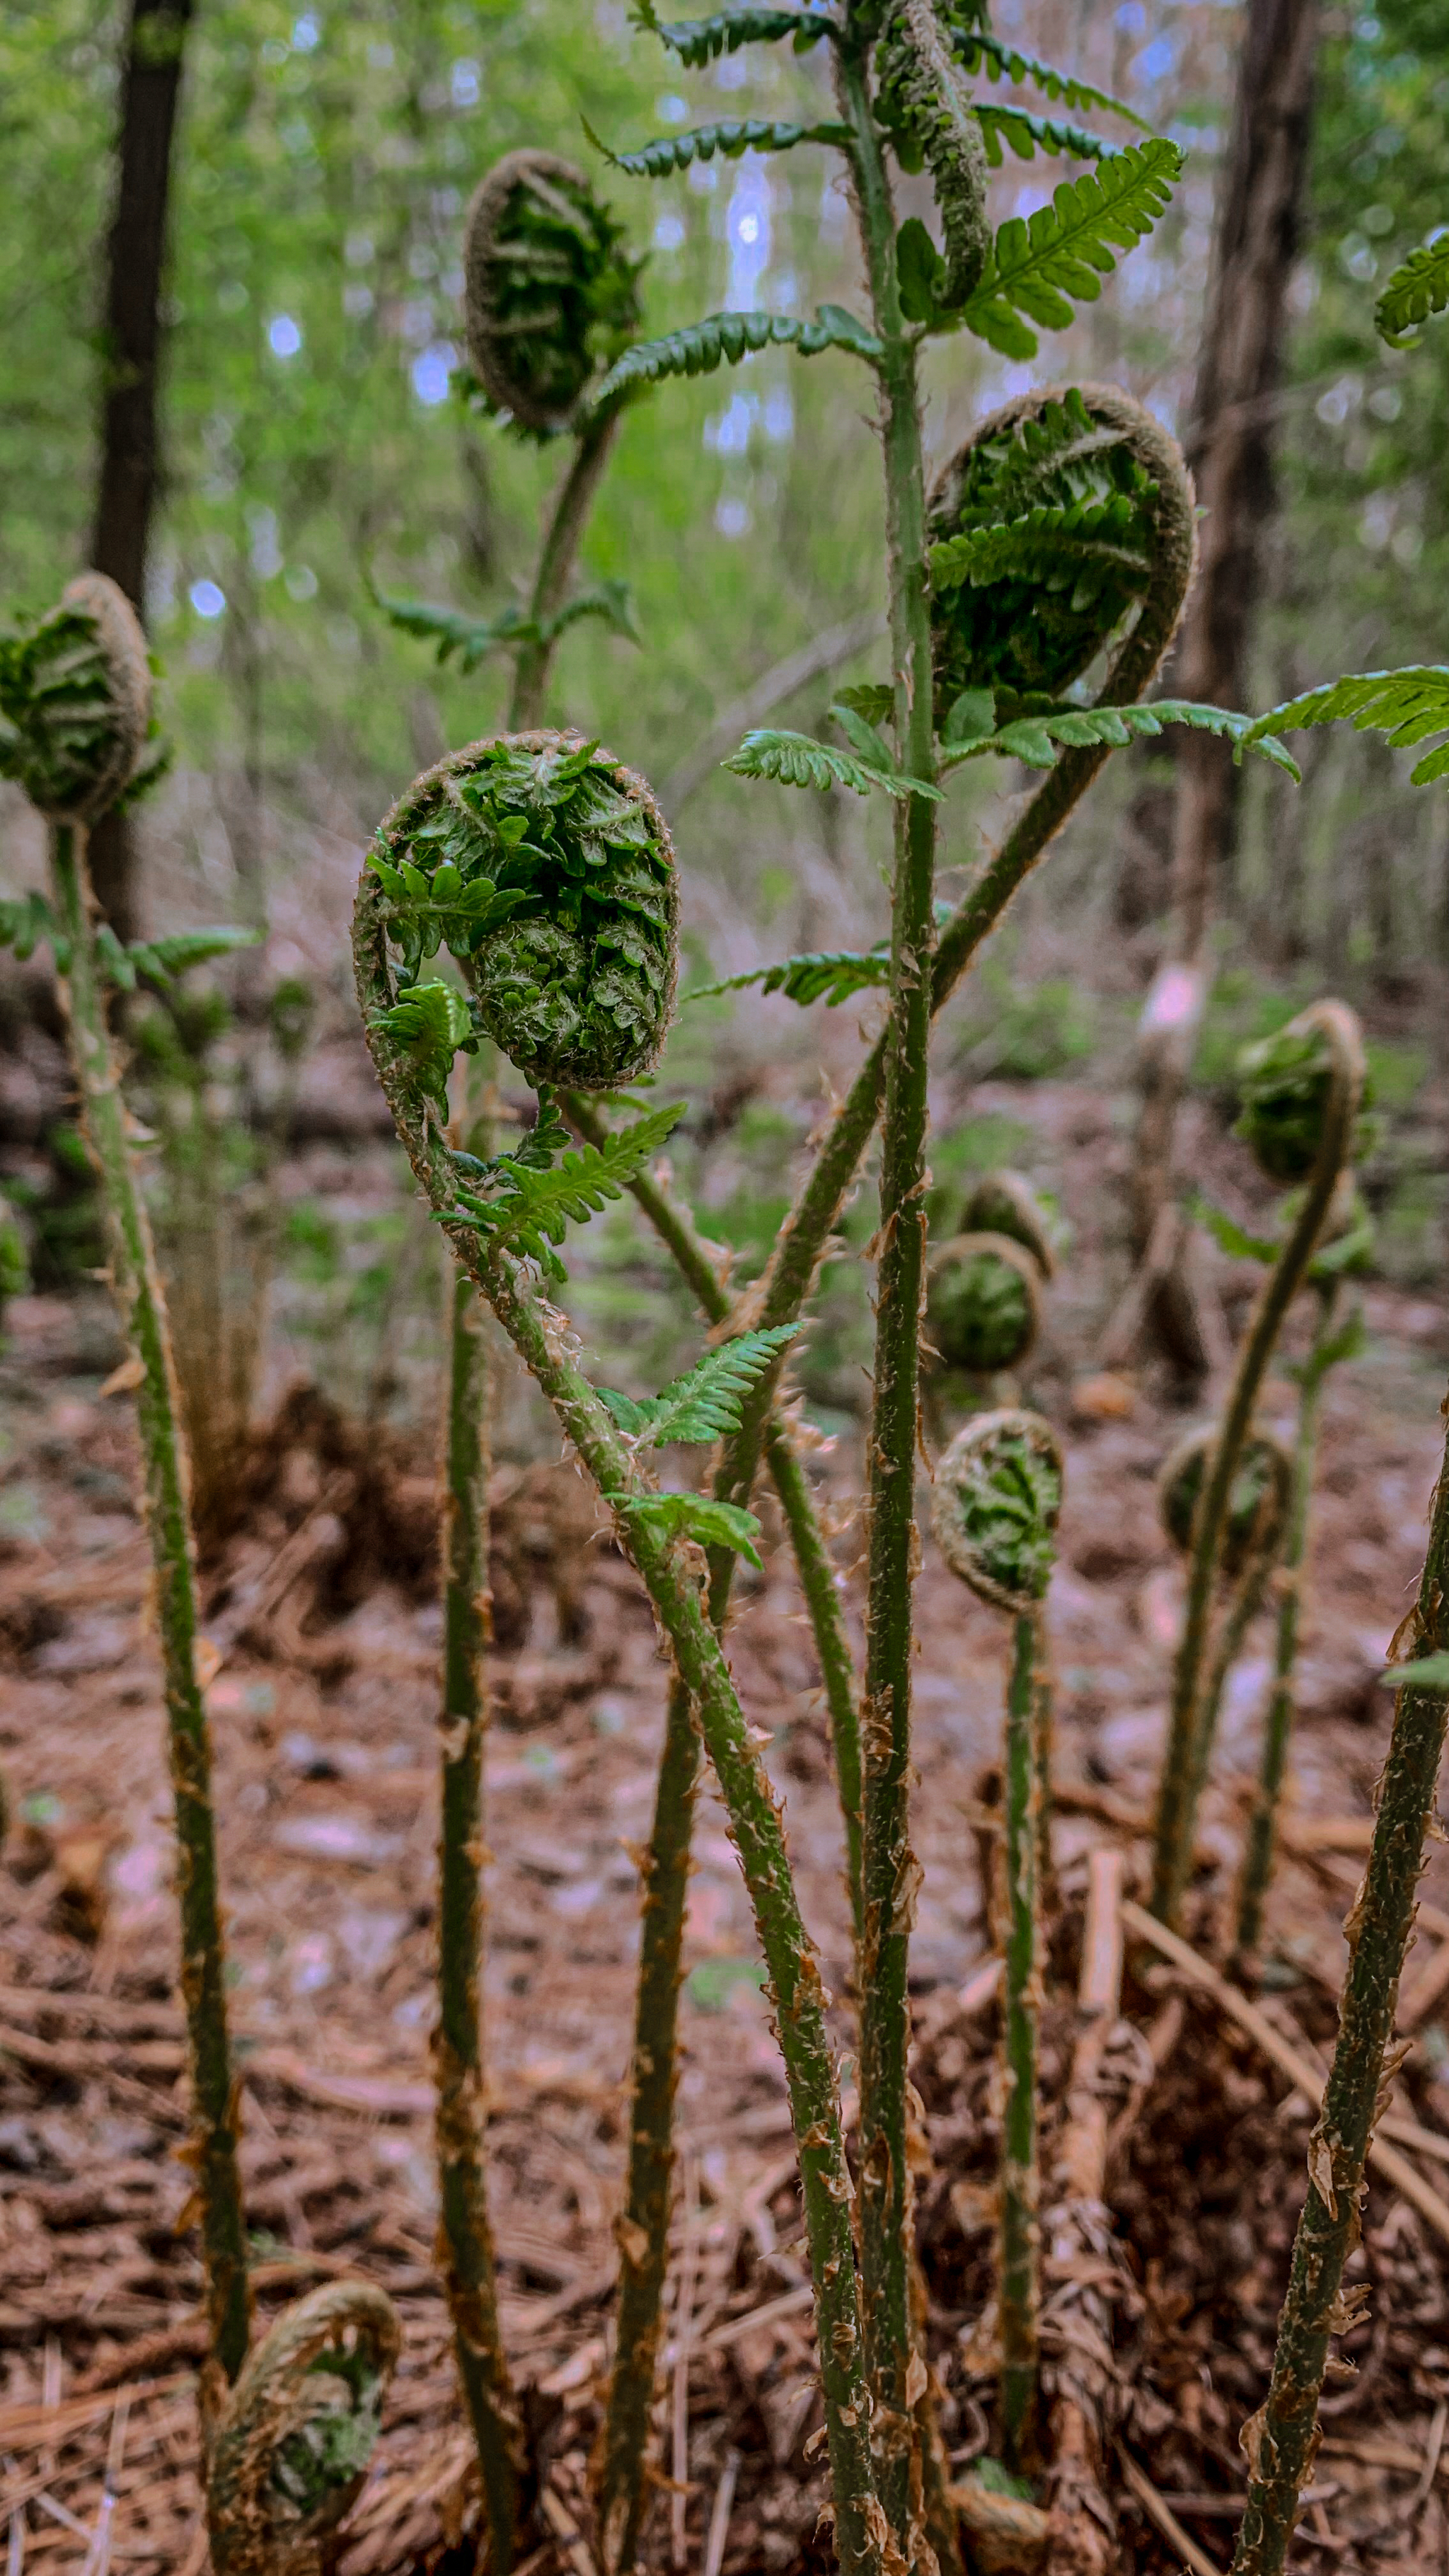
(1229, 445)
(131, 340)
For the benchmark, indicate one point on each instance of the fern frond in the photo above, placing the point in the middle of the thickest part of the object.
(725, 338)
(831, 976)
(452, 630)
(798, 760)
(705, 1404)
(698, 41)
(25, 919)
(612, 602)
(1063, 251)
(1030, 738)
(1024, 132)
(1419, 287)
(1044, 543)
(1406, 706)
(534, 1214)
(427, 1024)
(729, 139)
(980, 52)
(161, 960)
(1232, 1238)
(696, 1516)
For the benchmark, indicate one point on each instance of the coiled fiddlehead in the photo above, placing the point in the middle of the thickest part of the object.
(1284, 1082)
(75, 702)
(551, 292)
(1255, 1504)
(997, 1502)
(924, 99)
(295, 2436)
(983, 1302)
(1090, 513)
(1006, 1203)
(548, 870)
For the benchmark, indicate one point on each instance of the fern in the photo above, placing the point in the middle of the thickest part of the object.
(672, 152)
(472, 638)
(534, 1214)
(798, 760)
(160, 961)
(725, 338)
(832, 976)
(1428, 1672)
(1030, 738)
(696, 1516)
(980, 52)
(1064, 250)
(1232, 1238)
(427, 1024)
(535, 1151)
(705, 1404)
(698, 41)
(1023, 131)
(1045, 542)
(1419, 287)
(25, 919)
(1405, 705)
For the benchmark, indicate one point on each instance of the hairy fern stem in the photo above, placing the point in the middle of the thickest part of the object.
(1018, 2270)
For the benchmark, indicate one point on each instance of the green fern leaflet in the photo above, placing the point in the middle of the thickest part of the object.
(730, 139)
(1024, 132)
(723, 339)
(1406, 705)
(25, 919)
(1030, 738)
(980, 52)
(1045, 541)
(533, 1216)
(1416, 289)
(798, 760)
(698, 41)
(472, 638)
(831, 976)
(1061, 253)
(705, 1404)
(427, 1024)
(695, 1516)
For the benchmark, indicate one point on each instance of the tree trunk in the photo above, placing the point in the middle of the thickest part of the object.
(1229, 443)
(135, 258)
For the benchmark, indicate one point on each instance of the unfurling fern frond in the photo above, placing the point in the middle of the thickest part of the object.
(532, 1216)
(729, 139)
(1050, 545)
(698, 41)
(471, 638)
(75, 702)
(1059, 256)
(427, 1024)
(1419, 287)
(798, 760)
(705, 1404)
(551, 291)
(1406, 705)
(694, 1516)
(997, 1502)
(549, 871)
(1024, 132)
(723, 339)
(1030, 738)
(160, 961)
(831, 976)
(924, 100)
(980, 52)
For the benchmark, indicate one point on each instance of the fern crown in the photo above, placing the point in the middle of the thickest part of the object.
(997, 1501)
(75, 702)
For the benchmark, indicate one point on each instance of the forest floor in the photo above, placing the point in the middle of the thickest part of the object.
(323, 1612)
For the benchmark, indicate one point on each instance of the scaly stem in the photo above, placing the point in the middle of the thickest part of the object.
(1019, 2232)
(460, 2118)
(890, 1872)
(555, 566)
(820, 1585)
(1177, 1797)
(136, 1285)
(1278, 1726)
(1281, 2440)
(1242, 1610)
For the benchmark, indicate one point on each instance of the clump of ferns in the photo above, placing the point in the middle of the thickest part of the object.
(75, 720)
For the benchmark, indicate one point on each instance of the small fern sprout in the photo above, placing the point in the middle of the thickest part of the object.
(1255, 1504)
(1005, 1203)
(1285, 1083)
(551, 291)
(983, 1303)
(997, 1502)
(294, 2438)
(75, 702)
(548, 871)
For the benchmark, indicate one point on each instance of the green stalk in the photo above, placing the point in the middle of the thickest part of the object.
(1018, 2277)
(797, 1992)
(1178, 1794)
(555, 565)
(889, 1870)
(1282, 2438)
(136, 1285)
(1242, 1610)
(1262, 1833)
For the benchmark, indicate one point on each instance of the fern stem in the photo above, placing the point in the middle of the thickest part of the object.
(1242, 1610)
(557, 557)
(1019, 2232)
(136, 1286)
(1184, 1766)
(1262, 1834)
(819, 1584)
(889, 1870)
(1281, 2439)
(459, 2113)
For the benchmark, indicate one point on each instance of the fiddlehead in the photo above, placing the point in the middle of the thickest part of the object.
(924, 99)
(1005, 1203)
(983, 1303)
(1255, 1502)
(75, 702)
(551, 291)
(295, 2436)
(997, 1500)
(549, 871)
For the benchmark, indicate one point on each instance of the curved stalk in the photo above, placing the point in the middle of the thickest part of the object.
(555, 565)
(1178, 1794)
(819, 1584)
(1018, 2274)
(797, 1992)
(1282, 2438)
(1247, 1600)
(136, 1286)
(1258, 1852)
